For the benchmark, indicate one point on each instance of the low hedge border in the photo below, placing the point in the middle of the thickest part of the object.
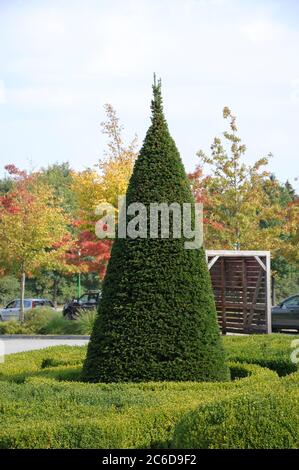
(43, 412)
(271, 351)
(44, 404)
(17, 367)
(252, 420)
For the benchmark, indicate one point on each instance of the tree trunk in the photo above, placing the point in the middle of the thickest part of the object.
(55, 290)
(22, 315)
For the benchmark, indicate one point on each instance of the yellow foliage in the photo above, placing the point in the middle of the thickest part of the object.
(112, 174)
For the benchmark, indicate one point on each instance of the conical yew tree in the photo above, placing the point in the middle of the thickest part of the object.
(157, 318)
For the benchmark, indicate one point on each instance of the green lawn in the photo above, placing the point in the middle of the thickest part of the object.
(44, 405)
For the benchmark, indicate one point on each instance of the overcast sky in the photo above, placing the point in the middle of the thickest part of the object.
(61, 60)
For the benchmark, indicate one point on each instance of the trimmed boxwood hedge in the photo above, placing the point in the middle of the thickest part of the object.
(19, 366)
(44, 404)
(272, 351)
(45, 412)
(251, 420)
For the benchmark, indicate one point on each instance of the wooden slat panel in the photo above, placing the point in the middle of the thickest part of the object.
(239, 285)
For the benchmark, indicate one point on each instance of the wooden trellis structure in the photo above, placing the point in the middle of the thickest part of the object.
(242, 287)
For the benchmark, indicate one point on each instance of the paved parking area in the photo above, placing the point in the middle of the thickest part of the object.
(13, 345)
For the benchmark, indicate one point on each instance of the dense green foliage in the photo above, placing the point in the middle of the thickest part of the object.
(272, 351)
(54, 285)
(35, 322)
(286, 285)
(157, 315)
(9, 289)
(61, 287)
(66, 287)
(44, 321)
(44, 404)
(251, 420)
(59, 177)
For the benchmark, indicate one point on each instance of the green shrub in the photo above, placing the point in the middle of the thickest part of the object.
(13, 328)
(44, 404)
(291, 383)
(85, 323)
(272, 351)
(17, 367)
(157, 316)
(58, 325)
(38, 318)
(47, 321)
(57, 362)
(9, 289)
(251, 420)
(59, 372)
(50, 409)
(40, 321)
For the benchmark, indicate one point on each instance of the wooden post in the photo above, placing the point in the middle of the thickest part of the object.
(255, 295)
(268, 293)
(244, 294)
(223, 306)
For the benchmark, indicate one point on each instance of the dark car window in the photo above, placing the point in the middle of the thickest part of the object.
(89, 298)
(293, 302)
(93, 298)
(27, 304)
(38, 303)
(17, 304)
(42, 303)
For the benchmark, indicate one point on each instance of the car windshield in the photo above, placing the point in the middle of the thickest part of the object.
(17, 304)
(91, 297)
(293, 302)
(27, 304)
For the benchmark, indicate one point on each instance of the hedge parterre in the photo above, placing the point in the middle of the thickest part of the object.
(44, 403)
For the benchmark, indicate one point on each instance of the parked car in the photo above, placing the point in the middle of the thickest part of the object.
(88, 301)
(286, 314)
(12, 309)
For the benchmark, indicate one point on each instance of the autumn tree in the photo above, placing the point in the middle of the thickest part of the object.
(110, 176)
(59, 177)
(104, 183)
(33, 229)
(239, 208)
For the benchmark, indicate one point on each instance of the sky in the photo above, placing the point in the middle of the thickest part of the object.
(62, 60)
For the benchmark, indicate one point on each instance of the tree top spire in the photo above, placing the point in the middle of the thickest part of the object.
(157, 105)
